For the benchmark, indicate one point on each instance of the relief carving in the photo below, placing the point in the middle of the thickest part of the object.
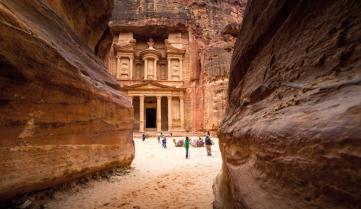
(124, 68)
(150, 69)
(175, 66)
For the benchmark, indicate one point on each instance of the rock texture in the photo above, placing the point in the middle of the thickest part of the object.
(88, 19)
(291, 136)
(61, 114)
(214, 23)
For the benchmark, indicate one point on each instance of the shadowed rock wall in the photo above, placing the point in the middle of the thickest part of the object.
(61, 114)
(291, 137)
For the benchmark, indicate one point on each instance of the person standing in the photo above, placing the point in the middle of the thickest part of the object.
(208, 143)
(143, 137)
(164, 142)
(186, 146)
(160, 137)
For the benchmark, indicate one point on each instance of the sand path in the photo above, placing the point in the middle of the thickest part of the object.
(159, 178)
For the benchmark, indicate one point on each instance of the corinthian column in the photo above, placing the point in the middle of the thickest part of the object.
(182, 112)
(141, 114)
(159, 114)
(117, 69)
(145, 69)
(170, 122)
(181, 69)
(169, 70)
(131, 58)
(155, 69)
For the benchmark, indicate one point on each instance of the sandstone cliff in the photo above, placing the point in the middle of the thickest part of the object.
(61, 114)
(291, 136)
(215, 26)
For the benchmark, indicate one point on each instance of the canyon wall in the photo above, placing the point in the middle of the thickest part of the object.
(291, 135)
(215, 25)
(61, 113)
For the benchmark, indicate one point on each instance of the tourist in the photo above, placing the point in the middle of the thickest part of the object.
(180, 143)
(186, 146)
(208, 143)
(159, 137)
(164, 142)
(200, 142)
(143, 137)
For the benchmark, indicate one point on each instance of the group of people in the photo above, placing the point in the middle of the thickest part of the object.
(186, 143)
(207, 141)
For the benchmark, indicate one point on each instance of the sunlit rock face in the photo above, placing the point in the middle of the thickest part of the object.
(212, 22)
(61, 114)
(291, 136)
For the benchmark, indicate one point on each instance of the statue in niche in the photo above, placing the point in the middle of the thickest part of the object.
(175, 68)
(150, 69)
(176, 109)
(124, 68)
(150, 44)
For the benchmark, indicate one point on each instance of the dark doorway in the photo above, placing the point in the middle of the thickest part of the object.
(151, 114)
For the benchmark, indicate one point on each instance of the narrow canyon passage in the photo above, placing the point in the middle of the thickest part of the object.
(158, 178)
(278, 80)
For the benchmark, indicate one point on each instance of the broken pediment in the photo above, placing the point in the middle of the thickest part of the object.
(128, 46)
(174, 48)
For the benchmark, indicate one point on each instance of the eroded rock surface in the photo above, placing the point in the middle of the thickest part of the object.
(214, 23)
(62, 115)
(291, 136)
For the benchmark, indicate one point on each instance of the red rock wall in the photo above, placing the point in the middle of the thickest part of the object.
(61, 114)
(88, 19)
(291, 136)
(209, 21)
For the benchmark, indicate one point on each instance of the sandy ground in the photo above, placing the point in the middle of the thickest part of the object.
(159, 178)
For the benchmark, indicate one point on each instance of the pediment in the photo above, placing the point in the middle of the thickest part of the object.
(149, 85)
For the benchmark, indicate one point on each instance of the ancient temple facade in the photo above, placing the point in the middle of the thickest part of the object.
(171, 58)
(152, 72)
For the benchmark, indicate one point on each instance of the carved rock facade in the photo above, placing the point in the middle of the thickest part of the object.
(291, 136)
(172, 60)
(62, 114)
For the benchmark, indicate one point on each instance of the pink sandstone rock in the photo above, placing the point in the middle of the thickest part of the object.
(291, 135)
(61, 114)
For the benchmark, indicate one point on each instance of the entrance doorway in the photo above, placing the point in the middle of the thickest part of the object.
(151, 118)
